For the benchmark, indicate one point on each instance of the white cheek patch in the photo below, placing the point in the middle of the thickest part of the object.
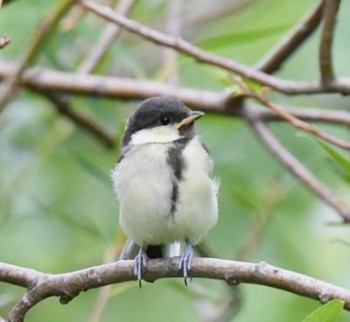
(159, 134)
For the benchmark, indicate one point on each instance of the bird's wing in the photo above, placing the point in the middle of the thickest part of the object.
(130, 250)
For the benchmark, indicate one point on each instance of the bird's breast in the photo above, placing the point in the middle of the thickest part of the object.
(145, 180)
(143, 183)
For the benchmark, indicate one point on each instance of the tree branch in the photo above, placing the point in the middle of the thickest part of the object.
(63, 107)
(4, 41)
(109, 35)
(69, 285)
(326, 64)
(296, 168)
(43, 80)
(174, 28)
(290, 43)
(306, 114)
(287, 87)
(294, 121)
(43, 32)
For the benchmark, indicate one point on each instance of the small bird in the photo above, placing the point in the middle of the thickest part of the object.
(163, 180)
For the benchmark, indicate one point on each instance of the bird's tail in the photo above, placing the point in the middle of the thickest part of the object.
(131, 249)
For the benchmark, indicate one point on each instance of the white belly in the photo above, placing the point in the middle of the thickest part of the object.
(145, 191)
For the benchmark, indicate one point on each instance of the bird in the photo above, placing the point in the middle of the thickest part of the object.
(163, 181)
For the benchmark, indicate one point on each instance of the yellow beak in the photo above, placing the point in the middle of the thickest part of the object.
(195, 115)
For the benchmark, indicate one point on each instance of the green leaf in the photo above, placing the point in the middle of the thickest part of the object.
(243, 37)
(341, 160)
(329, 312)
(91, 169)
(252, 85)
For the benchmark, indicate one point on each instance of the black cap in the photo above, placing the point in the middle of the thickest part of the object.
(160, 111)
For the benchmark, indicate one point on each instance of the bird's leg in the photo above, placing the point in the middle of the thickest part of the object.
(186, 261)
(140, 262)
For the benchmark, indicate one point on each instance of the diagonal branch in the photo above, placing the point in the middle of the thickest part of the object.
(306, 114)
(41, 35)
(4, 41)
(109, 35)
(302, 125)
(325, 54)
(294, 121)
(296, 168)
(290, 43)
(179, 44)
(174, 28)
(63, 106)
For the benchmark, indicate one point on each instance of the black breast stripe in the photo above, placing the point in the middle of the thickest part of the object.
(177, 164)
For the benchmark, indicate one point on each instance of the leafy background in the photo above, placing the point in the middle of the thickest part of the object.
(57, 209)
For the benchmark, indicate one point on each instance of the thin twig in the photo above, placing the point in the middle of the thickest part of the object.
(42, 33)
(297, 123)
(302, 125)
(215, 13)
(326, 43)
(4, 41)
(295, 167)
(105, 293)
(307, 114)
(179, 44)
(61, 101)
(100, 304)
(173, 27)
(264, 214)
(98, 130)
(109, 35)
(292, 41)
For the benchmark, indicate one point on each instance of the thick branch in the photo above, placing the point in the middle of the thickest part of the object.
(123, 88)
(19, 276)
(326, 64)
(44, 80)
(69, 285)
(179, 44)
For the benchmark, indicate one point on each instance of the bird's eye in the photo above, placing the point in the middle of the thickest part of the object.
(165, 120)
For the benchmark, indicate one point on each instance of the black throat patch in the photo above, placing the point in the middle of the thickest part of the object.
(177, 164)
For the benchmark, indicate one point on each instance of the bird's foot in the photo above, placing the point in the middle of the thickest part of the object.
(140, 262)
(186, 262)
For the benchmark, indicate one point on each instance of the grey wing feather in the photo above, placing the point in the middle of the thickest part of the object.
(130, 250)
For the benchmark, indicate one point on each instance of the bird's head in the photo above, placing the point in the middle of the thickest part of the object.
(160, 119)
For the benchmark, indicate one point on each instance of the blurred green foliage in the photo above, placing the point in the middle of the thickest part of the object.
(329, 312)
(57, 209)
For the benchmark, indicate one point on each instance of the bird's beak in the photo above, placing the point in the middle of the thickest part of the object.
(195, 115)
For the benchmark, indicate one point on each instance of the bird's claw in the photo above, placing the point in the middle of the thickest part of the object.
(140, 262)
(186, 262)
